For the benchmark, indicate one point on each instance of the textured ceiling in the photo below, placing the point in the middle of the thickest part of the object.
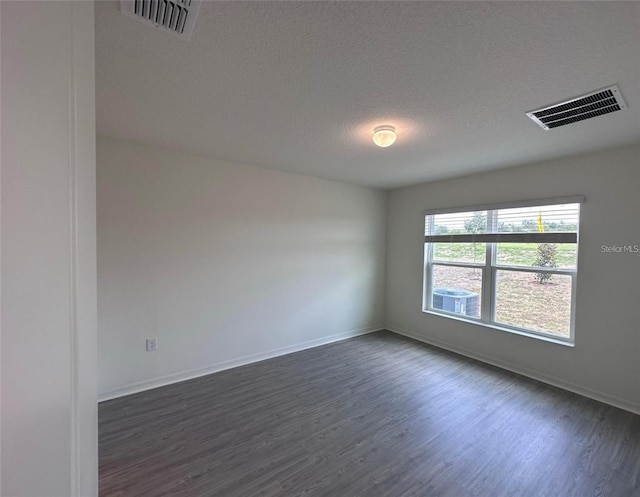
(299, 86)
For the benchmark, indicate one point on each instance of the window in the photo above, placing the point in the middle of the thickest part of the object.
(512, 267)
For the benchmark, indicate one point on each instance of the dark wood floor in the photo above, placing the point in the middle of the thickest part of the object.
(375, 416)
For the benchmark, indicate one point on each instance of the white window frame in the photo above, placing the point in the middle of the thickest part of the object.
(490, 267)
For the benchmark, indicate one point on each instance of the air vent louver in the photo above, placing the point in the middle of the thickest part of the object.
(174, 16)
(594, 104)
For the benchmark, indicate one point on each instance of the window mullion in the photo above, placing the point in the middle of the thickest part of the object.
(428, 278)
(428, 266)
(486, 314)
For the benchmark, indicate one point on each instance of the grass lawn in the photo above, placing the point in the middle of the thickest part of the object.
(513, 254)
(520, 299)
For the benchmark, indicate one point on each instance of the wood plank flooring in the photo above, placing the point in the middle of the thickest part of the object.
(377, 416)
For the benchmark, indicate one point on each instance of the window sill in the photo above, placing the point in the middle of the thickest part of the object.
(545, 338)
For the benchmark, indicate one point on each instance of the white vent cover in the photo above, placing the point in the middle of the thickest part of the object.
(593, 104)
(175, 16)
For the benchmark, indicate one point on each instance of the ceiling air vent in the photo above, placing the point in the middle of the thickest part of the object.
(175, 16)
(593, 104)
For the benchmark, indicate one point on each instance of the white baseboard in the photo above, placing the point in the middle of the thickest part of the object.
(233, 363)
(514, 368)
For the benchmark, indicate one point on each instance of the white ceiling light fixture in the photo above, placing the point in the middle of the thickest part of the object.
(384, 136)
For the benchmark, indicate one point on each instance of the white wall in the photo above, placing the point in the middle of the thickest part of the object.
(48, 258)
(226, 264)
(605, 361)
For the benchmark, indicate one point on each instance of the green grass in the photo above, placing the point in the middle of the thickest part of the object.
(511, 254)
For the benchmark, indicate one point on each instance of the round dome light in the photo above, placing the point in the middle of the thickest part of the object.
(384, 136)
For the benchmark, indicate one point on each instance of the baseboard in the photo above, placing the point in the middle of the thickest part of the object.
(514, 368)
(169, 379)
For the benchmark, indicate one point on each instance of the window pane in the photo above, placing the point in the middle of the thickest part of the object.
(558, 255)
(523, 300)
(457, 223)
(457, 289)
(460, 252)
(545, 218)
